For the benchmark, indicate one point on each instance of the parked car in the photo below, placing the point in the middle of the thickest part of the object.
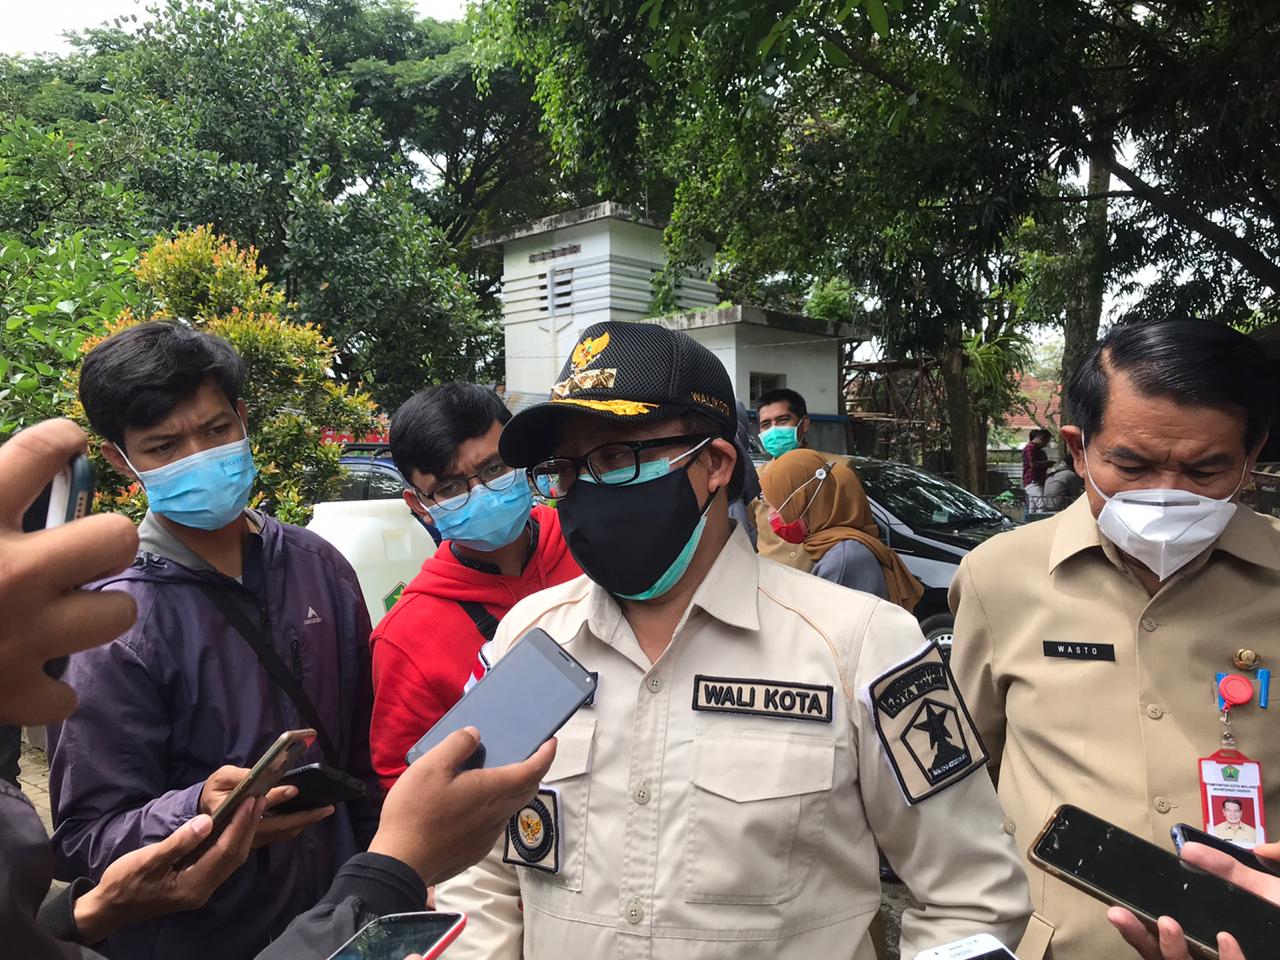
(930, 522)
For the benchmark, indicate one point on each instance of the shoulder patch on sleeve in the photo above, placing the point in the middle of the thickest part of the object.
(924, 727)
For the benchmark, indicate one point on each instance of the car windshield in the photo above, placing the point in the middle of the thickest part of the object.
(922, 500)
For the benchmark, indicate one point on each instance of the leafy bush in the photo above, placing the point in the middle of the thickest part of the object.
(291, 394)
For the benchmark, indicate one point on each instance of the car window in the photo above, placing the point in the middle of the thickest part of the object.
(355, 480)
(384, 485)
(922, 500)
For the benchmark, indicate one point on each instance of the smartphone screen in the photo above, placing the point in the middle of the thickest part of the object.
(1117, 866)
(396, 936)
(525, 698)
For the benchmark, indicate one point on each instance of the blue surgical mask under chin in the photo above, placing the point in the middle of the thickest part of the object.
(205, 491)
(489, 519)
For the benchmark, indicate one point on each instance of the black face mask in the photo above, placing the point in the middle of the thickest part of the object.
(625, 538)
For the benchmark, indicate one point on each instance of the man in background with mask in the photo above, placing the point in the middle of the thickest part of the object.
(174, 711)
(783, 418)
(1090, 646)
(498, 548)
(755, 731)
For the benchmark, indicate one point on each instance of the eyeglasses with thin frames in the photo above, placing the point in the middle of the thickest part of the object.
(612, 464)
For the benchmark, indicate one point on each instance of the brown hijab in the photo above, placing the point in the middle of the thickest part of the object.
(835, 509)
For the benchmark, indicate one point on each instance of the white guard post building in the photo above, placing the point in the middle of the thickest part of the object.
(565, 272)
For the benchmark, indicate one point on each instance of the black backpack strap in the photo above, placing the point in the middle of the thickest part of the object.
(271, 661)
(485, 621)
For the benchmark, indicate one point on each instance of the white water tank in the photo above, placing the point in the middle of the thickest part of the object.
(382, 540)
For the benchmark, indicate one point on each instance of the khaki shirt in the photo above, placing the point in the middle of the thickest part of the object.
(1236, 832)
(694, 833)
(1039, 613)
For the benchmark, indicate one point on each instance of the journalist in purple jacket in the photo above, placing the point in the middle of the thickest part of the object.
(170, 710)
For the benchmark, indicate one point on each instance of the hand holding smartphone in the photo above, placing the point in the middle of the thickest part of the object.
(518, 705)
(1117, 867)
(1184, 833)
(266, 773)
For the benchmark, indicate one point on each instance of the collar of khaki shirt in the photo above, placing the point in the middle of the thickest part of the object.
(1248, 537)
(727, 593)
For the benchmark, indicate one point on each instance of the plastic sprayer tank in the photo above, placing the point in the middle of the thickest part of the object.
(381, 539)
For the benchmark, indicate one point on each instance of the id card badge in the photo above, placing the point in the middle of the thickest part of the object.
(1231, 798)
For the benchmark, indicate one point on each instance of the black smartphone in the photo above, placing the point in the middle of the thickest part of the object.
(398, 935)
(1118, 867)
(518, 705)
(1185, 833)
(319, 785)
(68, 496)
(266, 773)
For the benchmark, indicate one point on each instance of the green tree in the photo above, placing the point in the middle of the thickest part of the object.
(904, 146)
(69, 235)
(213, 284)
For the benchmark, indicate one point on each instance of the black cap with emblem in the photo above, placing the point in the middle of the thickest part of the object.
(629, 372)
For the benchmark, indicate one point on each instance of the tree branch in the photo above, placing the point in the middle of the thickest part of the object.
(1249, 257)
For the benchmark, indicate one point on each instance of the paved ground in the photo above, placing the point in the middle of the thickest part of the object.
(35, 783)
(34, 777)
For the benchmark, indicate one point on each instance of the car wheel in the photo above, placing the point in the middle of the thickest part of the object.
(939, 627)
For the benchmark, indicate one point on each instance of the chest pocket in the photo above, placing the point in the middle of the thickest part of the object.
(570, 777)
(756, 815)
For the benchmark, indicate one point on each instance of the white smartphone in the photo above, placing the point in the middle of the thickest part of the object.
(981, 947)
(398, 935)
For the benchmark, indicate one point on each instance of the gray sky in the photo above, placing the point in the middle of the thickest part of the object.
(36, 26)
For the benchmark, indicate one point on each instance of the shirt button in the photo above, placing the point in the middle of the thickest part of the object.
(641, 792)
(635, 911)
(1162, 805)
(1149, 625)
(1009, 826)
(654, 683)
(1155, 711)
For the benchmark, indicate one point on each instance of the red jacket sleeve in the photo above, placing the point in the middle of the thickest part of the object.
(406, 704)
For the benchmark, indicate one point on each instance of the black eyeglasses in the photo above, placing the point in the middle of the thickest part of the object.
(452, 493)
(612, 464)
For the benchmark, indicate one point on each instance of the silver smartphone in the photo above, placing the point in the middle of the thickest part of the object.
(518, 705)
(982, 946)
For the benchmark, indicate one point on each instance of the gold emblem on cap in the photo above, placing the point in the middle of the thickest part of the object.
(1246, 659)
(588, 349)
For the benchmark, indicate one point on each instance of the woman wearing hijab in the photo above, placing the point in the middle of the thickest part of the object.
(821, 505)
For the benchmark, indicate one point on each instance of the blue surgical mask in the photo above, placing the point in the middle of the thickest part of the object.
(205, 491)
(489, 519)
(779, 440)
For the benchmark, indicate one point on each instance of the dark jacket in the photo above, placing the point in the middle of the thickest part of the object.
(368, 886)
(181, 694)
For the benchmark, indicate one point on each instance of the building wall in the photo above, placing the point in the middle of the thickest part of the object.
(810, 364)
(599, 270)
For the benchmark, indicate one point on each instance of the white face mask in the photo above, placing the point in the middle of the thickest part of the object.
(1163, 529)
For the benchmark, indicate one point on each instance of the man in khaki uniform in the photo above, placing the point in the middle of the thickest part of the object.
(1087, 645)
(755, 732)
(1233, 828)
(783, 418)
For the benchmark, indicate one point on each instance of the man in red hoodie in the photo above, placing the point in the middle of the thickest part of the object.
(497, 548)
